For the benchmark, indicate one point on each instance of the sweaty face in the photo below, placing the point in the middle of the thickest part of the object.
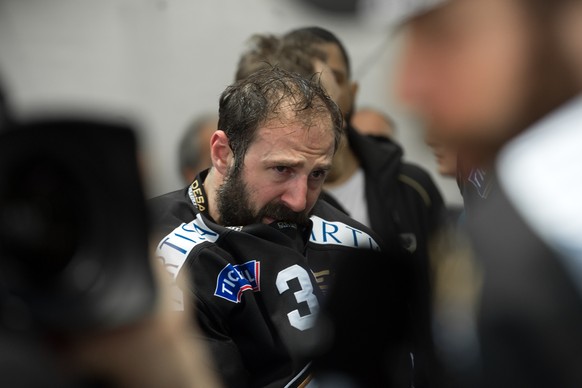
(237, 208)
(465, 69)
(282, 176)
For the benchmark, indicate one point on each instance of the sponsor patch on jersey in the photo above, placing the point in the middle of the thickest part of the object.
(233, 280)
(337, 233)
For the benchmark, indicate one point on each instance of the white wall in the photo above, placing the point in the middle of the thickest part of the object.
(160, 62)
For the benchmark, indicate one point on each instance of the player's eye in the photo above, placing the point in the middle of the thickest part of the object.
(281, 169)
(319, 174)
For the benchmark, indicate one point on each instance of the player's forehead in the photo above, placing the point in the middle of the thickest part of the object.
(291, 108)
(288, 120)
(307, 122)
(294, 143)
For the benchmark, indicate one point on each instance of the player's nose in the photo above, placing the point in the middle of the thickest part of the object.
(295, 195)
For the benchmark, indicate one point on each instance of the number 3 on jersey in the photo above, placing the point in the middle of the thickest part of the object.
(303, 295)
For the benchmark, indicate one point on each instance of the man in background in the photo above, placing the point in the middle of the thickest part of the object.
(194, 146)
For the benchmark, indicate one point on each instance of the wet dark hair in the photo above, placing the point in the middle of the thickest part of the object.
(266, 94)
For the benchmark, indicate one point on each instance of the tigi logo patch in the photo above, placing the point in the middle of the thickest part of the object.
(233, 280)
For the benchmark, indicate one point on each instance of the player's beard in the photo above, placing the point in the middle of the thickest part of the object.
(235, 205)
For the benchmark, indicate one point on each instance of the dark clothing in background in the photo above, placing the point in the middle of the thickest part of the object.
(406, 209)
(529, 310)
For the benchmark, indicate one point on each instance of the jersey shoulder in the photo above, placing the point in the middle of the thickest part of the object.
(331, 226)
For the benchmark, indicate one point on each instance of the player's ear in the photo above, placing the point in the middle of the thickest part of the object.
(220, 151)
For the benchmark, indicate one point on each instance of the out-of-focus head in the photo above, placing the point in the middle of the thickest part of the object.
(194, 146)
(570, 31)
(336, 57)
(480, 71)
(370, 121)
(277, 135)
(267, 50)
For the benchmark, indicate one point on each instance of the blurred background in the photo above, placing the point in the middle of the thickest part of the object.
(159, 63)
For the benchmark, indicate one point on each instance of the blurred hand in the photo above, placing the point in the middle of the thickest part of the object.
(162, 350)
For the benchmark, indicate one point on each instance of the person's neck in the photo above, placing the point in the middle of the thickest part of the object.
(211, 184)
(345, 165)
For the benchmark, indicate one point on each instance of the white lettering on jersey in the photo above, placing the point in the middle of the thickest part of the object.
(173, 250)
(337, 233)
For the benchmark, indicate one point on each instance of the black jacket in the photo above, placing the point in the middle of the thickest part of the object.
(406, 209)
(402, 197)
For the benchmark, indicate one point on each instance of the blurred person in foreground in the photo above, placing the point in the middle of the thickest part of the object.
(252, 232)
(162, 349)
(500, 79)
(194, 146)
(83, 302)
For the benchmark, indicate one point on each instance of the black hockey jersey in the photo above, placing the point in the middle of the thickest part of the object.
(256, 289)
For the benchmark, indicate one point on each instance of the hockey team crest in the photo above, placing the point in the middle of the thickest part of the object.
(233, 280)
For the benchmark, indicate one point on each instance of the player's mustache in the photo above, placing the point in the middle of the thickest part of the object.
(281, 212)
